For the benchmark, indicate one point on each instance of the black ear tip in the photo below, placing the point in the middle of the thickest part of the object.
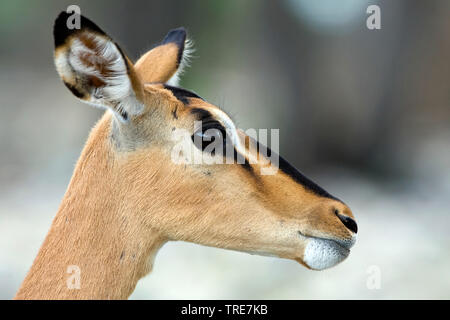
(61, 30)
(61, 18)
(179, 29)
(177, 36)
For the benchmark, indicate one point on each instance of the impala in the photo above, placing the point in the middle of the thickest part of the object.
(127, 197)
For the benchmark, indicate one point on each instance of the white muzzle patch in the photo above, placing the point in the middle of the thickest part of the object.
(322, 254)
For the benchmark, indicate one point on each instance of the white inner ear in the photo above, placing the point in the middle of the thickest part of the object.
(108, 56)
(118, 91)
(184, 63)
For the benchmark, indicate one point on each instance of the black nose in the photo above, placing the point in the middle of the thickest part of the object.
(348, 222)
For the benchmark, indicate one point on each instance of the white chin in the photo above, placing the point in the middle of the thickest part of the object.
(321, 254)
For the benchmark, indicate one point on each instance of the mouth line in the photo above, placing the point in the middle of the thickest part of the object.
(336, 242)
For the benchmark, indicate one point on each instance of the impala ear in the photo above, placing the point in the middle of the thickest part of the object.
(166, 62)
(95, 69)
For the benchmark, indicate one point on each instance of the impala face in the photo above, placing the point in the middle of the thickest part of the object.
(230, 206)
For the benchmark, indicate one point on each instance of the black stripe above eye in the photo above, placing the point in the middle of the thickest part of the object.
(297, 176)
(202, 114)
(293, 172)
(182, 94)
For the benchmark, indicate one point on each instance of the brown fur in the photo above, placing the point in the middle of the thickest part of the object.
(159, 64)
(127, 198)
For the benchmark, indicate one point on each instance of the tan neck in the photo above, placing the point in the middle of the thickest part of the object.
(91, 232)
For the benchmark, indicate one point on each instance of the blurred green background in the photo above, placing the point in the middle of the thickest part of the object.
(365, 113)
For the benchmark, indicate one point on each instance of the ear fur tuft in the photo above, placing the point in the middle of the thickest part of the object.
(184, 63)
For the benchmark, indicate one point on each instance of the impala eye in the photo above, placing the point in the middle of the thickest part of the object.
(210, 137)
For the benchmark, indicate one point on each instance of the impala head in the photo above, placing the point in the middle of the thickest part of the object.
(232, 206)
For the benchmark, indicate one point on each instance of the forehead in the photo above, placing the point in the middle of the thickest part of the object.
(182, 95)
(201, 110)
(194, 103)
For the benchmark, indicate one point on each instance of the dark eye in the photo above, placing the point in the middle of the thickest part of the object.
(210, 136)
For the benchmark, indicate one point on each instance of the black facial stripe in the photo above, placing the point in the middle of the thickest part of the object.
(297, 176)
(182, 94)
(283, 165)
(293, 172)
(201, 113)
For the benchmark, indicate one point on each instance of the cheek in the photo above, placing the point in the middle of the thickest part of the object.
(323, 254)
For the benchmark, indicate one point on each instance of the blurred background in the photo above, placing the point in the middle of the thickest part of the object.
(365, 113)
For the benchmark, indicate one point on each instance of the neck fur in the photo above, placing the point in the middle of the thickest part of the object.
(92, 235)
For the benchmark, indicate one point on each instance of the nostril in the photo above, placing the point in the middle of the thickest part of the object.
(348, 222)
